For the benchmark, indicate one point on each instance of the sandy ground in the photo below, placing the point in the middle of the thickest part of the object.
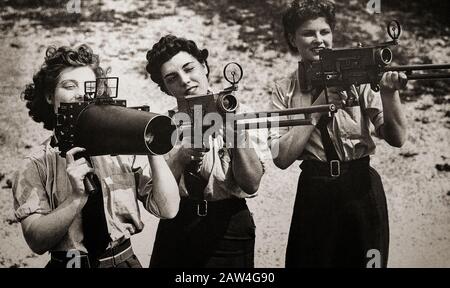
(418, 194)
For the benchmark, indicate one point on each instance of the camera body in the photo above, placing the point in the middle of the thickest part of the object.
(104, 125)
(222, 102)
(344, 67)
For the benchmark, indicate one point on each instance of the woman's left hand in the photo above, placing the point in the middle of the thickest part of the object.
(392, 81)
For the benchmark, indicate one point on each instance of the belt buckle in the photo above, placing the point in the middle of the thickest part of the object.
(203, 211)
(87, 260)
(335, 168)
(116, 259)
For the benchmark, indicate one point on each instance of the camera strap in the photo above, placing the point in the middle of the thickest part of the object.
(327, 143)
(95, 229)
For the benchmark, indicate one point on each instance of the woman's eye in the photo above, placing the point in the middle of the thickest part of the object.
(325, 32)
(189, 69)
(170, 79)
(68, 85)
(307, 34)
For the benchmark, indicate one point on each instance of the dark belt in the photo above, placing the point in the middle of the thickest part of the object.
(111, 257)
(334, 168)
(203, 207)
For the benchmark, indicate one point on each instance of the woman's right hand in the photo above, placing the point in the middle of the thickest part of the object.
(187, 151)
(77, 171)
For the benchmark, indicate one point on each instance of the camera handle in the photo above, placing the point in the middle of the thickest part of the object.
(89, 185)
(195, 184)
(89, 180)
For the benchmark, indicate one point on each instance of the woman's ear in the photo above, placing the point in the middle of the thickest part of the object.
(205, 68)
(204, 53)
(292, 40)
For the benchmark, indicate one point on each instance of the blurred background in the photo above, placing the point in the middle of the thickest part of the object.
(416, 177)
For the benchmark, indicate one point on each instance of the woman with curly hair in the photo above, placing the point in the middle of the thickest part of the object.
(214, 227)
(340, 213)
(50, 200)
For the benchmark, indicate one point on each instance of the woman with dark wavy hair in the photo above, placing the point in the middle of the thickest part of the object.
(214, 227)
(38, 94)
(50, 200)
(340, 213)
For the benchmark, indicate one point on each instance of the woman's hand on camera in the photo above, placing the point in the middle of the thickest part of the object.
(189, 152)
(77, 171)
(392, 81)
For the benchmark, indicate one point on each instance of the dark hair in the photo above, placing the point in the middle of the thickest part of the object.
(301, 11)
(167, 47)
(45, 80)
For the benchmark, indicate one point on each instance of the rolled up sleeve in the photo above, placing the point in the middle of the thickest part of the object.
(144, 182)
(29, 192)
(373, 106)
(278, 101)
(256, 136)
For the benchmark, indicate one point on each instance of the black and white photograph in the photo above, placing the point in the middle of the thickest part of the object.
(196, 134)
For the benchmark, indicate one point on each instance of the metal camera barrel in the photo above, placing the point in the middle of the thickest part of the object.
(383, 56)
(111, 129)
(408, 69)
(262, 117)
(227, 103)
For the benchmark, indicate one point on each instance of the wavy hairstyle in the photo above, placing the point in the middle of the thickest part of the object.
(46, 79)
(301, 11)
(167, 47)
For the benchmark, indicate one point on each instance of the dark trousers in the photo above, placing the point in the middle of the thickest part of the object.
(224, 238)
(338, 222)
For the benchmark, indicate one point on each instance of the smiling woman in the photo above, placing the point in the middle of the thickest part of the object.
(184, 75)
(214, 227)
(312, 36)
(40, 94)
(340, 211)
(188, 58)
(70, 86)
(56, 211)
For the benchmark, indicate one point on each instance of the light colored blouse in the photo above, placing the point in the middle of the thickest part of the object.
(350, 130)
(42, 185)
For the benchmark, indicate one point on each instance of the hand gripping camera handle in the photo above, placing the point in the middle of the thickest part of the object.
(89, 183)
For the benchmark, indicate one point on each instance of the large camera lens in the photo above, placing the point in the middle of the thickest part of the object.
(228, 103)
(159, 133)
(384, 56)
